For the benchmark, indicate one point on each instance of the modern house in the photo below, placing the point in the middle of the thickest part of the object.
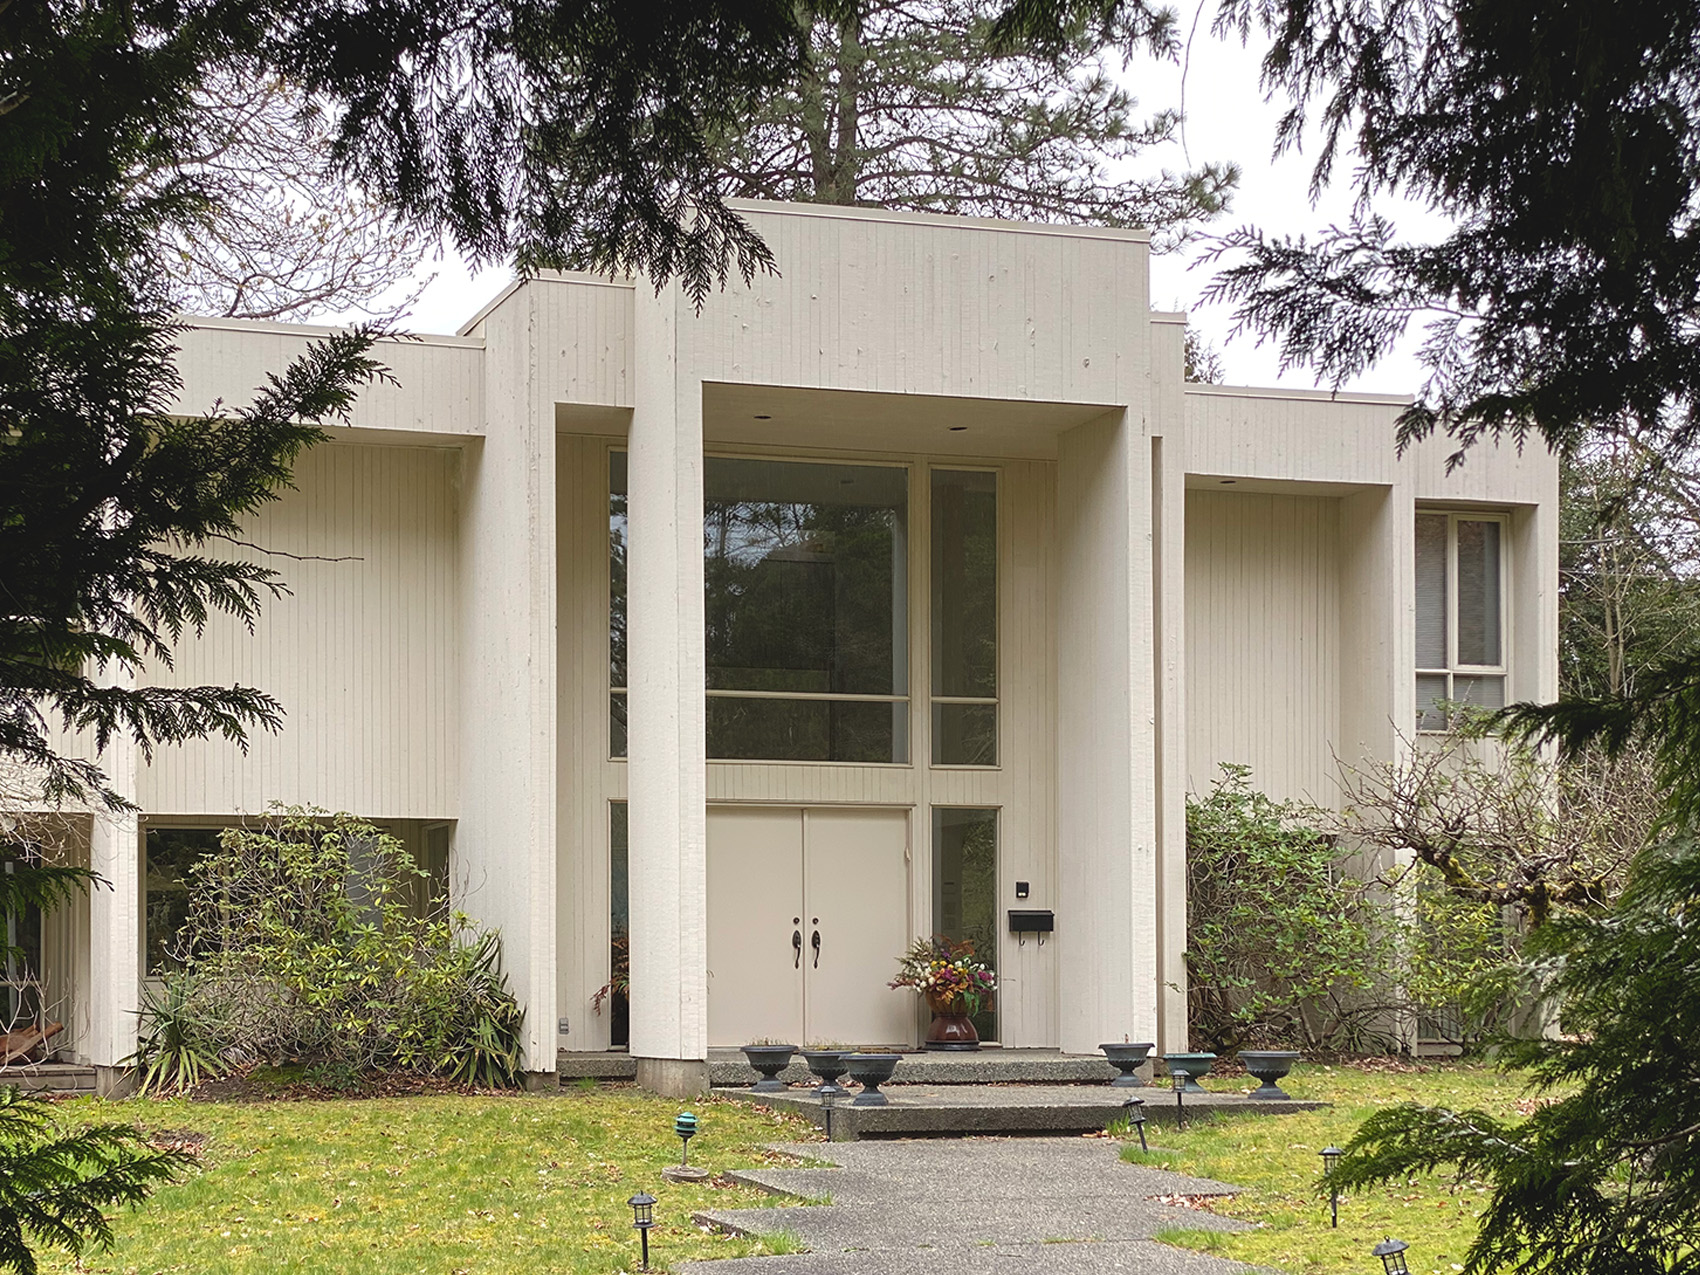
(888, 595)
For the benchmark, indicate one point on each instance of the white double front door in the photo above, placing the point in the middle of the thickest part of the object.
(808, 910)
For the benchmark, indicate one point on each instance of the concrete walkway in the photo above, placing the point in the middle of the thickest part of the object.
(974, 1206)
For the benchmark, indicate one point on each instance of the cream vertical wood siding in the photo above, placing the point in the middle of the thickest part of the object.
(1263, 639)
(361, 652)
(435, 385)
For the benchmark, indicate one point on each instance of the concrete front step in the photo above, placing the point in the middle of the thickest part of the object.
(727, 1068)
(917, 1110)
(50, 1077)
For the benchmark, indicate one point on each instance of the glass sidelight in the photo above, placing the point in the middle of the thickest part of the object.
(617, 1004)
(965, 888)
(964, 617)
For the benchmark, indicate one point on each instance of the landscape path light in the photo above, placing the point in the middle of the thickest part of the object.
(1180, 1077)
(685, 1126)
(643, 1217)
(1136, 1118)
(1392, 1255)
(827, 1093)
(1330, 1162)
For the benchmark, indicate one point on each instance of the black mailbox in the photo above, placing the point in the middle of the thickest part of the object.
(1035, 922)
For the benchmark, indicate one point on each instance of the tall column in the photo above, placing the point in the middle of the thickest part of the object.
(666, 744)
(115, 935)
(1107, 934)
(505, 841)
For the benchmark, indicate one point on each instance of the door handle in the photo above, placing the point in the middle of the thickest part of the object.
(797, 949)
(814, 942)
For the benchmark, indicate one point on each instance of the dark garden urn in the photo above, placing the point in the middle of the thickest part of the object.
(1268, 1066)
(1128, 1059)
(828, 1064)
(770, 1060)
(870, 1071)
(1195, 1065)
(951, 1028)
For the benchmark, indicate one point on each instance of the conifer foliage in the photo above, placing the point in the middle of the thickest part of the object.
(910, 104)
(56, 1183)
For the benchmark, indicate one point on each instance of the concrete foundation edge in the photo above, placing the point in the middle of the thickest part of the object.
(673, 1077)
(114, 1082)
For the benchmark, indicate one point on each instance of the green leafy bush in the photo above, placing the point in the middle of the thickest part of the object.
(1282, 948)
(303, 945)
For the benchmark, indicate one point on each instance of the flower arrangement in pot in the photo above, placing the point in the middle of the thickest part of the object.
(956, 984)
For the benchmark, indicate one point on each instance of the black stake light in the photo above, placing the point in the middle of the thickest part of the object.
(1136, 1118)
(643, 1217)
(685, 1126)
(1180, 1077)
(1392, 1255)
(1330, 1162)
(827, 1093)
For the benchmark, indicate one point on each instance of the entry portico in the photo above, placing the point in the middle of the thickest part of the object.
(882, 596)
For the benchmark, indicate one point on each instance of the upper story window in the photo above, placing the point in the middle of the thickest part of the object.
(1460, 608)
(806, 585)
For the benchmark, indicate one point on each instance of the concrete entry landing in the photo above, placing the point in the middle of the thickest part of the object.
(974, 1207)
(917, 1110)
(727, 1067)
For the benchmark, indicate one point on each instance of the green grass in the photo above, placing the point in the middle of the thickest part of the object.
(1276, 1159)
(445, 1184)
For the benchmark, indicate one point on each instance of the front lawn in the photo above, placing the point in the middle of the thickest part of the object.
(436, 1184)
(1276, 1159)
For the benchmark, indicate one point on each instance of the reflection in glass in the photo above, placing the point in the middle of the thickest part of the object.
(965, 889)
(619, 927)
(171, 852)
(1478, 592)
(965, 734)
(617, 577)
(1431, 694)
(1431, 590)
(803, 729)
(964, 615)
(805, 592)
(1480, 692)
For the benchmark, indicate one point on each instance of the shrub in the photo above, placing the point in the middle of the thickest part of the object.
(303, 945)
(1281, 944)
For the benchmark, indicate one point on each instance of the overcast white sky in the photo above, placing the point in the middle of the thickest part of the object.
(1227, 119)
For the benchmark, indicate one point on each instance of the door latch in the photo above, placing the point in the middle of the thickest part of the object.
(814, 942)
(797, 949)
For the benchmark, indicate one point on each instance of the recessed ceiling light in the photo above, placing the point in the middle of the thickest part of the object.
(957, 429)
(763, 418)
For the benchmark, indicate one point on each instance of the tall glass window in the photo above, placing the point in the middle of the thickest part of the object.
(171, 853)
(965, 888)
(805, 609)
(618, 1000)
(617, 604)
(965, 617)
(1460, 614)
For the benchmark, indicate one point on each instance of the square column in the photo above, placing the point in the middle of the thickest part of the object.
(667, 710)
(114, 989)
(504, 864)
(1107, 922)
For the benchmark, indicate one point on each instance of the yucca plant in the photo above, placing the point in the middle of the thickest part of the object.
(171, 1049)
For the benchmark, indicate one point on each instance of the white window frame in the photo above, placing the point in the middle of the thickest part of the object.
(1454, 668)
